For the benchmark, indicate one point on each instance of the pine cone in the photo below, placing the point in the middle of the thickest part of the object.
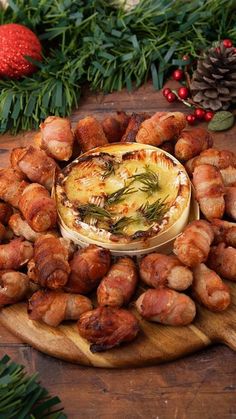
(213, 85)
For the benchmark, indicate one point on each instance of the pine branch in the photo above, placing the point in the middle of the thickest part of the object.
(21, 396)
(109, 47)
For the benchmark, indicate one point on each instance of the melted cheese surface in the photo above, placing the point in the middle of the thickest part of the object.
(92, 178)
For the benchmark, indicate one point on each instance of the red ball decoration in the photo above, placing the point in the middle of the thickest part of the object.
(208, 116)
(16, 41)
(171, 97)
(227, 43)
(166, 91)
(183, 92)
(178, 74)
(191, 119)
(199, 113)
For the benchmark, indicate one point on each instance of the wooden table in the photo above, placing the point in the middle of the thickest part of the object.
(199, 386)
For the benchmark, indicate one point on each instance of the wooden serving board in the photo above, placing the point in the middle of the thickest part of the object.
(154, 344)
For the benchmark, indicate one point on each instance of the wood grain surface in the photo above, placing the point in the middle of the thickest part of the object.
(201, 385)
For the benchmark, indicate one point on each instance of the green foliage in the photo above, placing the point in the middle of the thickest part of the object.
(22, 397)
(94, 41)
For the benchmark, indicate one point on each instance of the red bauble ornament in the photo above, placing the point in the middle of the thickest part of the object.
(191, 119)
(227, 43)
(16, 41)
(178, 74)
(166, 91)
(183, 92)
(171, 97)
(199, 113)
(208, 116)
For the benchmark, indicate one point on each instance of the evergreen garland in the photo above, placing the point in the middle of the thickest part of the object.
(22, 397)
(100, 43)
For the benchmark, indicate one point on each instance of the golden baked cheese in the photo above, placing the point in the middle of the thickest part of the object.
(122, 193)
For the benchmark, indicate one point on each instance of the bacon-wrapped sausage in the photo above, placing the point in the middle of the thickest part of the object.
(134, 124)
(230, 201)
(88, 267)
(209, 187)
(106, 327)
(49, 267)
(15, 254)
(118, 286)
(38, 208)
(14, 287)
(224, 231)
(222, 259)
(161, 127)
(166, 306)
(218, 158)
(89, 133)
(12, 185)
(209, 289)
(229, 176)
(192, 142)
(115, 126)
(57, 137)
(52, 307)
(35, 164)
(158, 270)
(193, 245)
(21, 228)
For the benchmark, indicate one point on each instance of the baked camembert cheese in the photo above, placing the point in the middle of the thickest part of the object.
(122, 194)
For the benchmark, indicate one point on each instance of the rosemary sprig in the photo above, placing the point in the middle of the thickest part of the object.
(154, 212)
(149, 179)
(21, 396)
(121, 224)
(119, 195)
(93, 211)
(109, 168)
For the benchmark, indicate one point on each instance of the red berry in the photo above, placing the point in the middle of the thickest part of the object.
(178, 74)
(208, 116)
(185, 58)
(166, 91)
(199, 113)
(171, 97)
(234, 50)
(191, 119)
(183, 92)
(227, 43)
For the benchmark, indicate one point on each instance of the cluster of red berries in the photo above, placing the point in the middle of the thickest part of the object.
(183, 93)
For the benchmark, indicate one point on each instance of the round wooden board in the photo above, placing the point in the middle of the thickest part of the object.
(154, 344)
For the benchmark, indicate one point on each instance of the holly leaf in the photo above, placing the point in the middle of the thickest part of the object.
(221, 121)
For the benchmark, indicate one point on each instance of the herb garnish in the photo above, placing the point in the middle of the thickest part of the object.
(154, 212)
(119, 195)
(149, 179)
(93, 211)
(109, 168)
(121, 224)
